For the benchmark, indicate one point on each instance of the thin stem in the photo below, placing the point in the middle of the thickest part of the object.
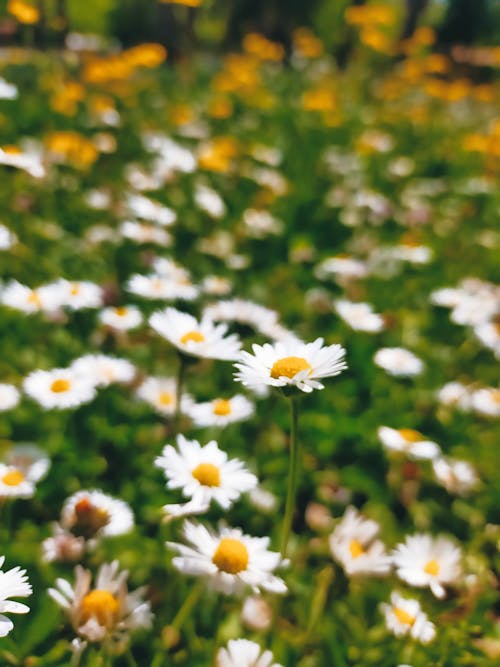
(188, 606)
(129, 656)
(325, 578)
(181, 374)
(293, 477)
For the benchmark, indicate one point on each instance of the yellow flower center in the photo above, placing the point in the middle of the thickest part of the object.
(165, 398)
(356, 549)
(410, 435)
(75, 289)
(432, 567)
(121, 311)
(495, 394)
(207, 474)
(221, 407)
(194, 336)
(60, 386)
(11, 150)
(231, 556)
(101, 605)
(13, 478)
(289, 367)
(403, 616)
(34, 299)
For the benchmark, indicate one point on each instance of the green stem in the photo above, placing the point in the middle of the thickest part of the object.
(325, 578)
(293, 477)
(188, 606)
(129, 656)
(181, 374)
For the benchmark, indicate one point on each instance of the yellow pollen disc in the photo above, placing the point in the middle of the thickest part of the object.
(356, 549)
(101, 605)
(207, 474)
(403, 616)
(165, 398)
(496, 395)
(289, 367)
(221, 407)
(13, 478)
(432, 567)
(121, 311)
(60, 386)
(195, 336)
(231, 556)
(75, 289)
(11, 150)
(34, 299)
(410, 435)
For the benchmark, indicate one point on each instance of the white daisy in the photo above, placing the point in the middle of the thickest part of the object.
(215, 285)
(423, 560)
(457, 477)
(489, 335)
(359, 316)
(62, 546)
(209, 201)
(256, 613)
(18, 480)
(204, 473)
(404, 616)
(18, 296)
(398, 361)
(13, 583)
(102, 370)
(242, 311)
(107, 611)
(487, 401)
(341, 265)
(8, 91)
(199, 339)
(221, 411)
(28, 161)
(95, 514)
(29, 460)
(260, 223)
(409, 442)
(147, 209)
(229, 560)
(141, 232)
(354, 546)
(121, 318)
(161, 393)
(291, 363)
(78, 294)
(455, 394)
(157, 286)
(59, 388)
(7, 238)
(244, 653)
(9, 396)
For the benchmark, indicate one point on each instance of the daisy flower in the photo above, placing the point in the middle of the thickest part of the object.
(221, 412)
(7, 238)
(293, 363)
(228, 559)
(121, 318)
(398, 361)
(105, 612)
(62, 546)
(59, 389)
(204, 473)
(423, 560)
(198, 339)
(78, 294)
(147, 209)
(95, 514)
(489, 335)
(9, 396)
(256, 613)
(407, 441)
(359, 316)
(487, 401)
(354, 546)
(244, 653)
(23, 298)
(157, 286)
(161, 393)
(455, 394)
(8, 91)
(30, 162)
(24, 466)
(102, 370)
(13, 583)
(210, 201)
(216, 285)
(341, 265)
(404, 616)
(457, 477)
(142, 232)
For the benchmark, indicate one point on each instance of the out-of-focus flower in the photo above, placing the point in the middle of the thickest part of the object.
(256, 613)
(45, 298)
(398, 361)
(62, 546)
(103, 370)
(456, 394)
(23, 467)
(359, 316)
(121, 318)
(7, 238)
(342, 265)
(147, 209)
(404, 616)
(244, 653)
(456, 476)
(77, 294)
(13, 583)
(489, 335)
(8, 91)
(487, 401)
(93, 513)
(221, 412)
(260, 223)
(145, 233)
(23, 11)
(409, 442)
(9, 397)
(30, 162)
(263, 500)
(69, 147)
(160, 392)
(157, 286)
(59, 388)
(209, 201)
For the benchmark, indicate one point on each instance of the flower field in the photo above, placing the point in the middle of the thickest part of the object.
(249, 329)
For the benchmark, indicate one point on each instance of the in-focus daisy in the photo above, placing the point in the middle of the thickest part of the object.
(292, 363)
(161, 393)
(409, 442)
(60, 388)
(9, 396)
(456, 476)
(398, 361)
(13, 583)
(221, 411)
(103, 370)
(354, 546)
(404, 616)
(106, 612)
(204, 473)
(230, 560)
(487, 401)
(121, 318)
(244, 653)
(359, 316)
(423, 560)
(95, 514)
(199, 339)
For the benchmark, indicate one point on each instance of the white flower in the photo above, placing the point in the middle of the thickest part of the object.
(13, 583)
(7, 238)
(455, 394)
(157, 286)
(29, 162)
(354, 546)
(342, 265)
(18, 296)
(106, 612)
(216, 285)
(24, 466)
(141, 232)
(121, 318)
(256, 613)
(9, 396)
(359, 316)
(145, 208)
(8, 91)
(161, 394)
(94, 513)
(489, 335)
(59, 389)
(487, 401)
(244, 653)
(172, 156)
(263, 500)
(398, 361)
(253, 314)
(423, 560)
(230, 560)
(102, 370)
(78, 294)
(293, 363)
(199, 339)
(221, 411)
(209, 201)
(204, 473)
(404, 616)
(456, 476)
(413, 253)
(260, 223)
(63, 546)
(409, 442)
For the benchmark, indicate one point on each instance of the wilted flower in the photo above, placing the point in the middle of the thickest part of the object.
(95, 514)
